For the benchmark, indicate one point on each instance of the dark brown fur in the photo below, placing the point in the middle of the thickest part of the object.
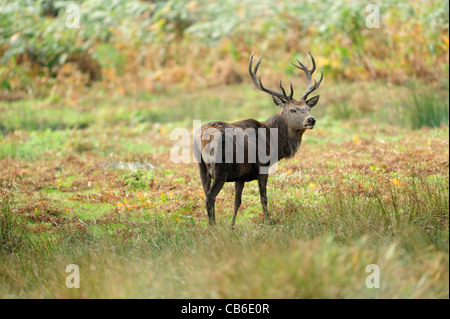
(291, 122)
(243, 172)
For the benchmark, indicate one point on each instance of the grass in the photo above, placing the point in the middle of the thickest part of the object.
(427, 109)
(362, 190)
(305, 253)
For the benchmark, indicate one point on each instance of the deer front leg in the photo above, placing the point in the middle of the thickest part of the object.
(239, 187)
(262, 184)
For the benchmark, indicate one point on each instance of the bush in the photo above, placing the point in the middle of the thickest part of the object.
(137, 45)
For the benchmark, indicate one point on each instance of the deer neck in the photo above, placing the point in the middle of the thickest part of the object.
(288, 140)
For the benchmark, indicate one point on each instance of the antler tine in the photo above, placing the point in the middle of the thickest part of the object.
(257, 81)
(282, 88)
(308, 72)
(301, 66)
(313, 61)
(291, 95)
(250, 71)
(312, 88)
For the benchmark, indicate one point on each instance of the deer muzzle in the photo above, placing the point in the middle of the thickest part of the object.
(311, 122)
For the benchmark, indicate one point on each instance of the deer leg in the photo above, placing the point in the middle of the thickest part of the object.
(211, 197)
(238, 188)
(204, 177)
(262, 184)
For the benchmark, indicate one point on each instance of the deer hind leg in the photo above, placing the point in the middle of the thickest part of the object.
(219, 180)
(239, 187)
(204, 177)
(262, 184)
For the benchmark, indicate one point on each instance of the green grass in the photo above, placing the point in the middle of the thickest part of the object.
(360, 191)
(34, 144)
(172, 107)
(307, 252)
(428, 110)
(423, 108)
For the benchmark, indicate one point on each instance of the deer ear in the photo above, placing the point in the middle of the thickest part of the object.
(313, 101)
(279, 102)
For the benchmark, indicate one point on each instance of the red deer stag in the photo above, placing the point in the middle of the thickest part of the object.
(246, 143)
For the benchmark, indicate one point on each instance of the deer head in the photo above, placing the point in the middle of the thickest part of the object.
(296, 113)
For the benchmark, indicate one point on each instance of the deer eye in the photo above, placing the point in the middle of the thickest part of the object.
(293, 111)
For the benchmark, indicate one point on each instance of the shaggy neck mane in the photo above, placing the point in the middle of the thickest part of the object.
(288, 144)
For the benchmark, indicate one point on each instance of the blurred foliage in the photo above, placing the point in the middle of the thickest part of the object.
(424, 108)
(142, 46)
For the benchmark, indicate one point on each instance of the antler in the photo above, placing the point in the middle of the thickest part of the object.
(257, 81)
(311, 87)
